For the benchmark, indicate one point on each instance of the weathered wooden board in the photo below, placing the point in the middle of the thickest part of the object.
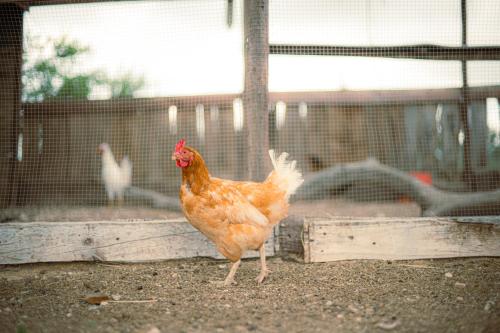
(400, 238)
(134, 241)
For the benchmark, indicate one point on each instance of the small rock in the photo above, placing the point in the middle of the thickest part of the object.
(352, 308)
(116, 297)
(489, 305)
(459, 285)
(251, 327)
(329, 303)
(222, 266)
(149, 329)
(154, 329)
(460, 298)
(68, 314)
(358, 319)
(388, 325)
(340, 316)
(448, 275)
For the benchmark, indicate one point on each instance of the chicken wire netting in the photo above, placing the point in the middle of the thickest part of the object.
(389, 107)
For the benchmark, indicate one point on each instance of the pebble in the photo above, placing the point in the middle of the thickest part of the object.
(388, 325)
(222, 266)
(448, 275)
(154, 329)
(460, 298)
(340, 316)
(116, 297)
(68, 314)
(488, 305)
(459, 284)
(149, 329)
(329, 303)
(352, 308)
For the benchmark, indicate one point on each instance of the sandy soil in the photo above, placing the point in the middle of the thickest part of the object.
(460, 295)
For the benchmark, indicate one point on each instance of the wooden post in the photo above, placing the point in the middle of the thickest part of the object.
(255, 95)
(11, 47)
(464, 106)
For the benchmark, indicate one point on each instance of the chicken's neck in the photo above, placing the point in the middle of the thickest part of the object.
(196, 175)
(108, 159)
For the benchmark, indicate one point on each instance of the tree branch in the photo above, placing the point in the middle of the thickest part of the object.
(382, 178)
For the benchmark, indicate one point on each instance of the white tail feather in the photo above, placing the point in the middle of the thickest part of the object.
(286, 176)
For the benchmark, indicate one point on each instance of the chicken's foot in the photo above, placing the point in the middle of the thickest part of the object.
(230, 277)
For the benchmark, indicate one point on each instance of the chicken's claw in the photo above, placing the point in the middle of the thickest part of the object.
(230, 282)
(262, 276)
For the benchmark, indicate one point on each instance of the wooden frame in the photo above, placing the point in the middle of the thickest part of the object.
(313, 239)
(427, 52)
(399, 238)
(115, 241)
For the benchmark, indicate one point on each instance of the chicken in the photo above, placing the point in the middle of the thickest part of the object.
(236, 215)
(116, 177)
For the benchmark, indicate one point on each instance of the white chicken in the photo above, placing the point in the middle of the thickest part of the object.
(116, 177)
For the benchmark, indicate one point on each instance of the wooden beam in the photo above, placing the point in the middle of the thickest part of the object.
(27, 3)
(11, 50)
(400, 238)
(136, 241)
(371, 97)
(464, 106)
(382, 97)
(255, 95)
(426, 52)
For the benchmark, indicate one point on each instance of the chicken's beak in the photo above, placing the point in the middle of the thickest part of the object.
(174, 156)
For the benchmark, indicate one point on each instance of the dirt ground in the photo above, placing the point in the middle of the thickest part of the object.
(460, 295)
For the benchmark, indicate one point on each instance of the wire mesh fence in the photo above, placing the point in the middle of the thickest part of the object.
(389, 107)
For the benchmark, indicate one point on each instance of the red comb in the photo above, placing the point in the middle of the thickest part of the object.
(180, 145)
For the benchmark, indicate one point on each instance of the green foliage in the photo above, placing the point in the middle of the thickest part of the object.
(125, 86)
(48, 73)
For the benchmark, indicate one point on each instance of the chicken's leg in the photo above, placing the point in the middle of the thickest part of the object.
(264, 272)
(230, 277)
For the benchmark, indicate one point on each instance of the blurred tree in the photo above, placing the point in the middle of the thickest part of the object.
(49, 73)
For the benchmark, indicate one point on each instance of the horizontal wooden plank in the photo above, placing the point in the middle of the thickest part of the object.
(400, 239)
(187, 103)
(128, 241)
(428, 52)
(27, 3)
